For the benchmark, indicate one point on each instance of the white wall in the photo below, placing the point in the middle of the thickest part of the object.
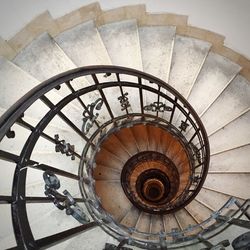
(230, 18)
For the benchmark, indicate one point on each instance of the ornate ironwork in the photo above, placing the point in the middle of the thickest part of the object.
(91, 114)
(64, 148)
(157, 107)
(183, 126)
(10, 134)
(52, 184)
(124, 101)
(197, 153)
(23, 161)
(109, 246)
(242, 242)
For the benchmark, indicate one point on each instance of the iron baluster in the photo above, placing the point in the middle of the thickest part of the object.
(80, 101)
(173, 110)
(62, 236)
(90, 116)
(52, 184)
(65, 148)
(64, 118)
(141, 95)
(96, 81)
(123, 99)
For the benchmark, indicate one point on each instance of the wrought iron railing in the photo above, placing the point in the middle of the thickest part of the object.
(109, 97)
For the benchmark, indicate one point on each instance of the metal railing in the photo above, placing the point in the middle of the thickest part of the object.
(108, 97)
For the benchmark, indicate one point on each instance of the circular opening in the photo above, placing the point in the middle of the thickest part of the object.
(154, 192)
(153, 189)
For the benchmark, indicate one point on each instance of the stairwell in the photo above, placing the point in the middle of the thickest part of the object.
(212, 78)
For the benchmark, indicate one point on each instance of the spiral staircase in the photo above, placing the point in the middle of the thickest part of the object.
(151, 146)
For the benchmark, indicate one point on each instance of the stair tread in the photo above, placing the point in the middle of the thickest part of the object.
(216, 73)
(232, 102)
(223, 183)
(227, 137)
(42, 58)
(80, 42)
(156, 49)
(188, 56)
(212, 199)
(123, 35)
(131, 217)
(198, 211)
(112, 197)
(235, 160)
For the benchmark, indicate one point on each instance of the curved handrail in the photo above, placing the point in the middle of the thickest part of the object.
(14, 113)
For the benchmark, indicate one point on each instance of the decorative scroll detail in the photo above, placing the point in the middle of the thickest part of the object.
(157, 107)
(197, 153)
(196, 179)
(64, 148)
(242, 241)
(109, 246)
(66, 201)
(107, 75)
(90, 115)
(124, 101)
(183, 126)
(10, 133)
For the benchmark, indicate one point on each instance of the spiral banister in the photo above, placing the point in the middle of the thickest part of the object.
(141, 99)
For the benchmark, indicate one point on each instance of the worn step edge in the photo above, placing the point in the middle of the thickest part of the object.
(40, 24)
(121, 14)
(6, 50)
(44, 22)
(162, 19)
(218, 95)
(226, 150)
(232, 120)
(215, 190)
(81, 15)
(197, 74)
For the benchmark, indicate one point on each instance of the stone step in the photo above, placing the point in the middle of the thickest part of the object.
(102, 172)
(112, 144)
(188, 57)
(43, 58)
(7, 239)
(14, 78)
(131, 217)
(143, 223)
(107, 158)
(235, 160)
(213, 199)
(223, 183)
(90, 240)
(83, 45)
(156, 49)
(121, 40)
(231, 103)
(128, 140)
(112, 197)
(15, 145)
(141, 136)
(216, 73)
(157, 224)
(198, 211)
(184, 219)
(233, 135)
(170, 222)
